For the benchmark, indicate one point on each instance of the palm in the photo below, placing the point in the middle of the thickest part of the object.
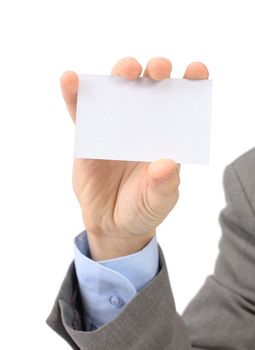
(113, 196)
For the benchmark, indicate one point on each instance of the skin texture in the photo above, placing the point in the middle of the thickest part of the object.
(123, 202)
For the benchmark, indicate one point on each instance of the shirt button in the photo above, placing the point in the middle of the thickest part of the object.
(116, 300)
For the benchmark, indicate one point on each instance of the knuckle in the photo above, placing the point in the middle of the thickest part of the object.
(151, 213)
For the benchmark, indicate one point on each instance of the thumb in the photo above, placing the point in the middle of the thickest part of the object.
(163, 182)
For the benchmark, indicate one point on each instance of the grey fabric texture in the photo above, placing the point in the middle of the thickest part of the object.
(221, 316)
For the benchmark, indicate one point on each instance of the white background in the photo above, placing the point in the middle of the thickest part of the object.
(39, 213)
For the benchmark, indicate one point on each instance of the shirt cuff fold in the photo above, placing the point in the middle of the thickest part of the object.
(106, 286)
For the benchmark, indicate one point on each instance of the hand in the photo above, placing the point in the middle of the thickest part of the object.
(122, 202)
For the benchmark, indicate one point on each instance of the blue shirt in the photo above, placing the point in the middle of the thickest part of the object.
(106, 286)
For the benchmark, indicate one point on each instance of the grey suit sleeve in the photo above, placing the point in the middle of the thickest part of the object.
(219, 317)
(222, 314)
(148, 321)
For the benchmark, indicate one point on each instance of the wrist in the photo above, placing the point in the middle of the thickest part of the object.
(104, 247)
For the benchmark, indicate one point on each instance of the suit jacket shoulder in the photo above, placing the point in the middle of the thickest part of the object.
(244, 167)
(226, 301)
(246, 159)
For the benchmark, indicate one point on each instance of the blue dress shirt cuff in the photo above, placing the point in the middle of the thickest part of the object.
(106, 286)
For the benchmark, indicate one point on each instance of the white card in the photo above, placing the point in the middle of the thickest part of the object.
(143, 120)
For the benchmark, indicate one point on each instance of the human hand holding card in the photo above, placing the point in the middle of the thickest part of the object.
(143, 120)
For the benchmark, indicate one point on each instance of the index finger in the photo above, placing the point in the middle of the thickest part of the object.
(69, 85)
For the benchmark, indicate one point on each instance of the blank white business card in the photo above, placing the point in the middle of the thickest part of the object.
(143, 120)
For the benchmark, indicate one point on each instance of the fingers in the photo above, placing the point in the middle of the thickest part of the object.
(158, 68)
(196, 70)
(128, 68)
(69, 85)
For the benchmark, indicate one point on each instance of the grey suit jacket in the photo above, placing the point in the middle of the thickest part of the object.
(221, 316)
